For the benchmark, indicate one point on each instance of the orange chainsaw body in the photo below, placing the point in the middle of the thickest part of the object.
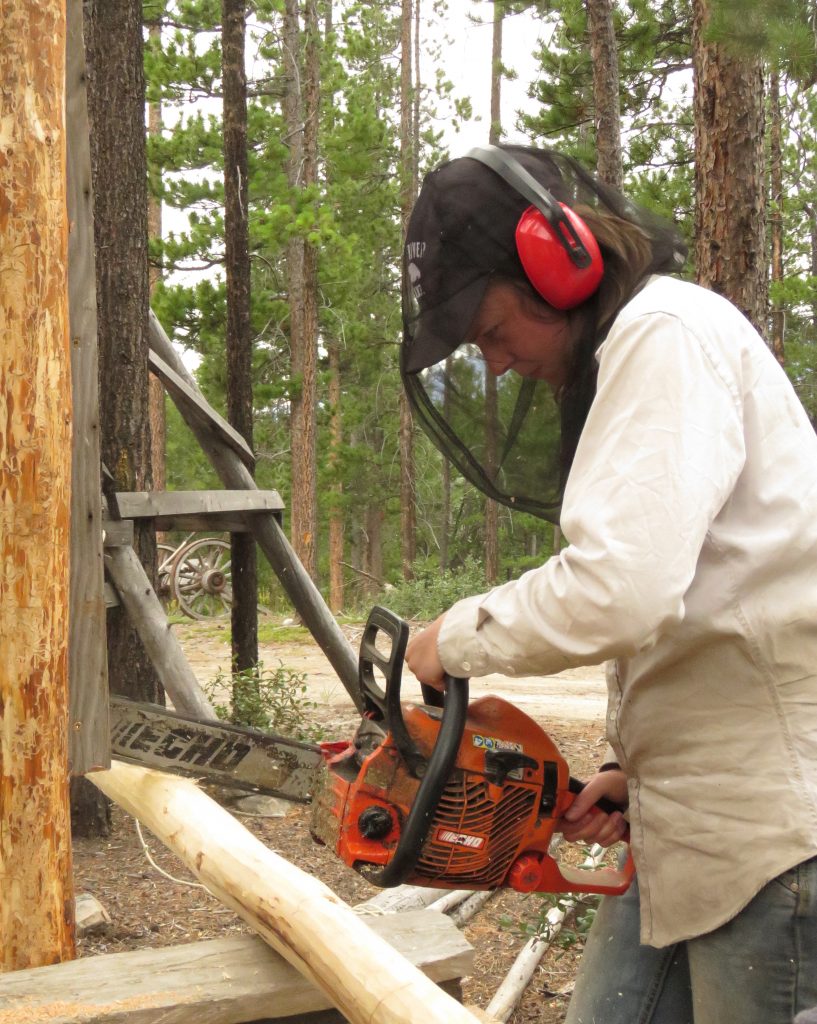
(495, 818)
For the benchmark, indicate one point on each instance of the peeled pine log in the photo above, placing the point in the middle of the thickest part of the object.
(296, 914)
(36, 905)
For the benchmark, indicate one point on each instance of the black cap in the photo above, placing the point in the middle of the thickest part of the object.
(461, 233)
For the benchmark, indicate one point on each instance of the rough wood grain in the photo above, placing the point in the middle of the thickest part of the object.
(147, 615)
(220, 981)
(36, 908)
(87, 657)
(296, 914)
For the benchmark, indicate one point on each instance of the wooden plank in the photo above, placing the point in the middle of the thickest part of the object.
(198, 510)
(228, 754)
(87, 657)
(146, 613)
(194, 407)
(293, 912)
(302, 592)
(220, 981)
(111, 597)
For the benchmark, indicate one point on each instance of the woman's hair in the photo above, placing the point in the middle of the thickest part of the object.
(631, 253)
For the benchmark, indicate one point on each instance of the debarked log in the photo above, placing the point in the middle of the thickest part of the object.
(296, 914)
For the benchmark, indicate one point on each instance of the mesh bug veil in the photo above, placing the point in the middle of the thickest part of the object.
(507, 435)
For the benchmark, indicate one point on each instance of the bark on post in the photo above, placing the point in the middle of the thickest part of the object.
(36, 909)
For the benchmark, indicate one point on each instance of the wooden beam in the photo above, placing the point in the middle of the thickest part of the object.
(302, 592)
(87, 655)
(220, 981)
(146, 613)
(311, 927)
(117, 533)
(194, 407)
(37, 904)
(198, 510)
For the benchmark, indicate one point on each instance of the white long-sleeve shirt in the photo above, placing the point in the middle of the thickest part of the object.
(691, 512)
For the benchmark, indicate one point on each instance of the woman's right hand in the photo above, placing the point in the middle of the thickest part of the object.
(582, 823)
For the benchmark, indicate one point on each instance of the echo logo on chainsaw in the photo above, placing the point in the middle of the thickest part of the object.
(491, 743)
(445, 835)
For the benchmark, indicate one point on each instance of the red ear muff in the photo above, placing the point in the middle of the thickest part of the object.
(546, 259)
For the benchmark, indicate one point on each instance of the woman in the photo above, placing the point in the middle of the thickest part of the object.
(649, 417)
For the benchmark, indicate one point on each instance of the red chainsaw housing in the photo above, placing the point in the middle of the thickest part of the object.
(495, 819)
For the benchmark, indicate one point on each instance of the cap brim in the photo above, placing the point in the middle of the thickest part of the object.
(439, 331)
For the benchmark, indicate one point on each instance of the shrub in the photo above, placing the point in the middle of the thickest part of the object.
(273, 700)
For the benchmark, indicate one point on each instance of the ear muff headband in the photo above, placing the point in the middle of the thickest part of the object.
(558, 252)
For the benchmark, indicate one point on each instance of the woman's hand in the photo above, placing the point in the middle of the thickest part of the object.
(581, 824)
(422, 657)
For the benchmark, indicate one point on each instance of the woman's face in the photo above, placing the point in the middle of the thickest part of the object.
(512, 336)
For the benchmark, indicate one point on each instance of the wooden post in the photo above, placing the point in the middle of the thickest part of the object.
(36, 909)
(89, 735)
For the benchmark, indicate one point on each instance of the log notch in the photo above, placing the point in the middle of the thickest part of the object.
(36, 909)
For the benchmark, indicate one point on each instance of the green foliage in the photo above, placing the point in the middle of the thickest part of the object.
(781, 30)
(273, 700)
(573, 930)
(432, 591)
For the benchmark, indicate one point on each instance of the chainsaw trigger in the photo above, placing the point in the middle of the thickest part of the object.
(499, 764)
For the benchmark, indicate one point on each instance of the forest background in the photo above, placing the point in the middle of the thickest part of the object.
(346, 105)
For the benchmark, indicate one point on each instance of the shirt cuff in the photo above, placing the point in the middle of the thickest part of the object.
(458, 646)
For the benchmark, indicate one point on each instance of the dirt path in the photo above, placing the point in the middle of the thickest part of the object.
(578, 695)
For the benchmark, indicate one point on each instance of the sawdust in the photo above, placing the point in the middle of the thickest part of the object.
(149, 910)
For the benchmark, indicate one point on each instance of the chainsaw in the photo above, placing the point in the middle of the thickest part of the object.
(445, 793)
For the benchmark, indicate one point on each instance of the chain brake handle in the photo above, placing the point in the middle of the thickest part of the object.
(384, 704)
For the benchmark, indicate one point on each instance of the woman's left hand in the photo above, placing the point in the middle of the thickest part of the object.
(422, 657)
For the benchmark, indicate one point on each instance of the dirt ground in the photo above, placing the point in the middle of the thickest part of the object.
(150, 910)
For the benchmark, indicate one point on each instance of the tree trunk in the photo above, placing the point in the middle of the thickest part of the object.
(408, 513)
(301, 112)
(243, 564)
(445, 528)
(604, 54)
(156, 392)
(373, 554)
(776, 212)
(729, 173)
(36, 909)
(491, 413)
(336, 594)
(116, 108)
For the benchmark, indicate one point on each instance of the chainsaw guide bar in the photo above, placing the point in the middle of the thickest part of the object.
(230, 755)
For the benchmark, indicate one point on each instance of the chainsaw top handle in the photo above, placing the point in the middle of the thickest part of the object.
(384, 704)
(435, 772)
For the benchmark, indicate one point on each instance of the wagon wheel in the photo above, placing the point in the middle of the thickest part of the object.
(201, 579)
(165, 553)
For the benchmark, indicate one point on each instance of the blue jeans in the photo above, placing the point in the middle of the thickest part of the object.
(758, 968)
